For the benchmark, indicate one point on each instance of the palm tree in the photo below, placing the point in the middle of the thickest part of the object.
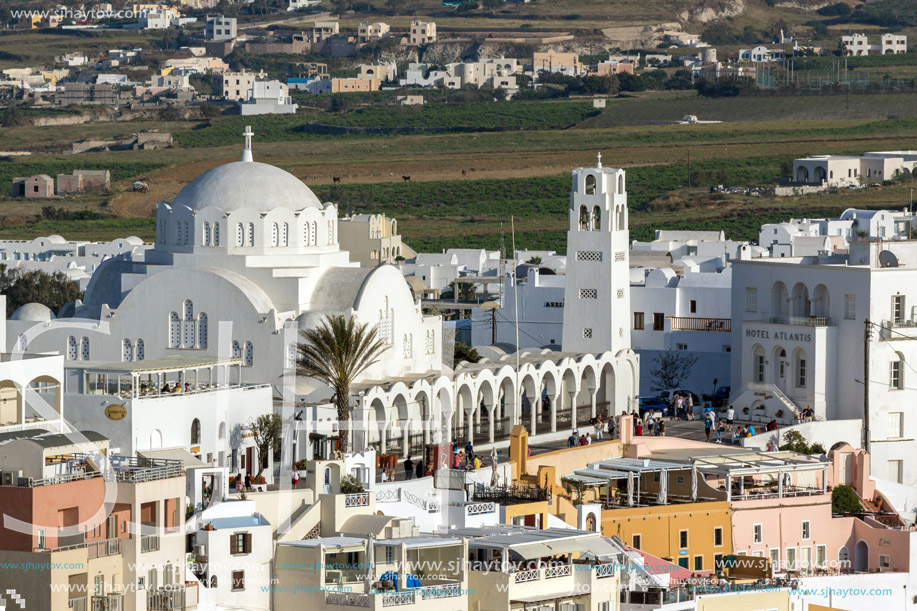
(337, 352)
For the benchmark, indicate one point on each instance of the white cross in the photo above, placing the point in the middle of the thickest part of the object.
(248, 133)
(600, 161)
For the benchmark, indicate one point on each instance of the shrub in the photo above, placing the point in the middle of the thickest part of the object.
(838, 9)
(351, 485)
(844, 499)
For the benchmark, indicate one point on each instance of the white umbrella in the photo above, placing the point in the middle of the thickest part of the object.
(663, 487)
(630, 489)
(693, 483)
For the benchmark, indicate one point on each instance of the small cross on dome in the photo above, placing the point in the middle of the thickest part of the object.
(600, 160)
(247, 151)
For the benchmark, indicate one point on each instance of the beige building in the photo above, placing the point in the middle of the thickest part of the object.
(556, 61)
(372, 31)
(372, 239)
(422, 32)
(381, 72)
(238, 86)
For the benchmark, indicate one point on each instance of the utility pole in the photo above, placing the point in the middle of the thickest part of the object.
(867, 336)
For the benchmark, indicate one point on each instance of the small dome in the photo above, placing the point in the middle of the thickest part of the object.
(246, 185)
(33, 312)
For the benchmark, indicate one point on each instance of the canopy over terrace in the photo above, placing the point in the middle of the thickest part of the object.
(766, 474)
(611, 472)
(161, 376)
(519, 543)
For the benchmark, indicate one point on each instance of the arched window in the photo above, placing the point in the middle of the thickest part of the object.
(202, 330)
(249, 354)
(621, 183)
(178, 232)
(896, 372)
(274, 234)
(284, 234)
(84, 349)
(801, 369)
(213, 581)
(596, 218)
(221, 431)
(174, 330)
(236, 349)
(187, 234)
(313, 229)
(195, 432)
(216, 234)
(139, 351)
(251, 234)
(71, 348)
(187, 327)
(206, 237)
(127, 351)
(590, 184)
(240, 234)
(843, 557)
(583, 219)
(758, 363)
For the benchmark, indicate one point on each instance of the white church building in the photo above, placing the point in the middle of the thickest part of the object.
(246, 257)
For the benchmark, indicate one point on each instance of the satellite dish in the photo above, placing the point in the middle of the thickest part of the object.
(887, 259)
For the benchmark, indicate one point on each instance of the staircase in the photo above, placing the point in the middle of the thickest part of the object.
(771, 404)
(300, 524)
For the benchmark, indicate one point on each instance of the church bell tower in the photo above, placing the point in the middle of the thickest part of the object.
(597, 284)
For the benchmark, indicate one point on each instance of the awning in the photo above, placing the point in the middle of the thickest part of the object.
(549, 596)
(527, 551)
(569, 546)
(185, 457)
(600, 547)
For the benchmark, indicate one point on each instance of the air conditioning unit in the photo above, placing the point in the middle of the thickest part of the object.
(10, 478)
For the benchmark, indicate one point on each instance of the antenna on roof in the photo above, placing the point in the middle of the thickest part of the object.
(247, 151)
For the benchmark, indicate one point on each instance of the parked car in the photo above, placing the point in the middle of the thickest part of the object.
(653, 404)
(720, 397)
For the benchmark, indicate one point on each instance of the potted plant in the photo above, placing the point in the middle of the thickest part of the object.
(259, 483)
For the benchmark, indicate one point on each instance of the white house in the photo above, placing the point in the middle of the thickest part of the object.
(804, 329)
(268, 98)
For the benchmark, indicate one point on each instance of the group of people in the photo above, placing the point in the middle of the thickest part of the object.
(242, 485)
(683, 405)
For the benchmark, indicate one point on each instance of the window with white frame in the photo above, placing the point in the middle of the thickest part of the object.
(751, 299)
(806, 529)
(821, 556)
(885, 562)
(775, 558)
(757, 533)
(84, 349)
(898, 308)
(236, 349)
(71, 348)
(127, 351)
(895, 425)
(140, 350)
(791, 558)
(850, 307)
(801, 372)
(896, 471)
(896, 373)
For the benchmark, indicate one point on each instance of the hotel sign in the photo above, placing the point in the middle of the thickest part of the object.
(782, 336)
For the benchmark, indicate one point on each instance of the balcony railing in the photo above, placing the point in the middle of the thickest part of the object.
(359, 499)
(346, 599)
(398, 599)
(604, 570)
(527, 575)
(801, 321)
(168, 598)
(445, 590)
(149, 543)
(111, 602)
(477, 509)
(691, 323)
(558, 570)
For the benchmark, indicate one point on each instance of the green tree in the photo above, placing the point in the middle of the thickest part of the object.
(463, 352)
(265, 430)
(35, 286)
(535, 260)
(336, 352)
(844, 499)
(671, 369)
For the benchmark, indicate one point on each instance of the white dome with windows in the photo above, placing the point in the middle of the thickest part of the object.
(246, 185)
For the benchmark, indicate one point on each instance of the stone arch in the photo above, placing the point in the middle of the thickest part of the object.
(606, 399)
(800, 300)
(485, 404)
(465, 407)
(446, 412)
(588, 391)
(43, 398)
(506, 408)
(590, 184)
(819, 174)
(621, 183)
(802, 174)
(596, 218)
(10, 403)
(549, 395)
(379, 432)
(530, 409)
(821, 302)
(401, 411)
(861, 556)
(583, 218)
(780, 301)
(570, 389)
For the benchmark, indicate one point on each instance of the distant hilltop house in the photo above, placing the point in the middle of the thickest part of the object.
(220, 28)
(372, 31)
(421, 32)
(555, 61)
(761, 54)
(41, 186)
(858, 44)
(848, 170)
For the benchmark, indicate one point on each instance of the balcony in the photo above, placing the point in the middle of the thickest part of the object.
(393, 599)
(167, 598)
(101, 549)
(133, 470)
(891, 330)
(692, 323)
(111, 602)
(358, 499)
(802, 321)
(149, 543)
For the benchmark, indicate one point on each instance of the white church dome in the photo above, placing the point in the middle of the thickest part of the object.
(33, 312)
(246, 185)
